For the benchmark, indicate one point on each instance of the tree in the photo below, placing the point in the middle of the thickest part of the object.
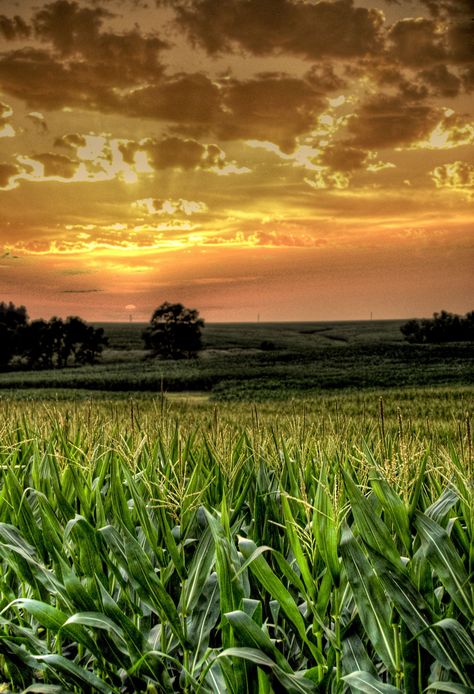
(174, 332)
(443, 327)
(12, 320)
(50, 344)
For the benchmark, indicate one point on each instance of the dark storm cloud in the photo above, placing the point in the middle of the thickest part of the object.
(81, 291)
(343, 157)
(234, 109)
(57, 165)
(385, 121)
(441, 81)
(83, 65)
(417, 42)
(41, 80)
(7, 172)
(191, 98)
(77, 31)
(175, 152)
(265, 27)
(12, 28)
(270, 107)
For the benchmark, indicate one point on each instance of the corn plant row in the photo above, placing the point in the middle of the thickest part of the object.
(244, 559)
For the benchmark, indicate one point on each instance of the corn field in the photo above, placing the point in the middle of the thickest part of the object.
(152, 547)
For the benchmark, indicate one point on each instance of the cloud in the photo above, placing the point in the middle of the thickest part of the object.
(6, 128)
(457, 175)
(56, 165)
(259, 109)
(235, 109)
(343, 157)
(39, 121)
(12, 28)
(385, 121)
(442, 81)
(154, 206)
(417, 41)
(192, 99)
(80, 291)
(179, 153)
(449, 8)
(266, 27)
(8, 174)
(452, 130)
(83, 65)
(76, 31)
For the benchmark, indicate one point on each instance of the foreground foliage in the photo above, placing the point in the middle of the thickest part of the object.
(234, 550)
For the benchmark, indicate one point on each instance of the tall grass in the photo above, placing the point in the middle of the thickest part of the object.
(147, 546)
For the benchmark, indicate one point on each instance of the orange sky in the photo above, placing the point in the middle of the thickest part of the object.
(293, 159)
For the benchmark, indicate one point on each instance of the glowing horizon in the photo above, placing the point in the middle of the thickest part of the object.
(294, 160)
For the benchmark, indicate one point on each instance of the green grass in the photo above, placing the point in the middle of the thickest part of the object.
(314, 545)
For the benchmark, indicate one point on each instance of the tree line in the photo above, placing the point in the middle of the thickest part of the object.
(443, 327)
(41, 344)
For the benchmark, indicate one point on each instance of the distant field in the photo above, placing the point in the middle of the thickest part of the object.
(265, 361)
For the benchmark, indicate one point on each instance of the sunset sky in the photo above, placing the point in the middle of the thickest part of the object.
(288, 159)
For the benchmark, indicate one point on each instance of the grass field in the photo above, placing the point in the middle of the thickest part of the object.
(167, 544)
(266, 361)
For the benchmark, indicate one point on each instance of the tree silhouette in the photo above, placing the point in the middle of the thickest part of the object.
(12, 320)
(174, 332)
(51, 344)
(443, 327)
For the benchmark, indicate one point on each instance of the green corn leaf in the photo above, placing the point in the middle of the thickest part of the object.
(171, 545)
(87, 545)
(52, 618)
(270, 581)
(372, 605)
(250, 635)
(365, 682)
(46, 689)
(415, 613)
(453, 687)
(394, 507)
(78, 673)
(95, 620)
(293, 683)
(296, 548)
(447, 563)
(458, 638)
(227, 567)
(372, 529)
(355, 657)
(151, 589)
(204, 617)
(325, 528)
(133, 636)
(199, 570)
(440, 508)
(47, 615)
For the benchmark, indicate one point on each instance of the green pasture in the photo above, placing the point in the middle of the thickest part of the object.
(161, 543)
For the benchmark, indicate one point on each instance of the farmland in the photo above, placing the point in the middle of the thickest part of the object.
(160, 544)
(241, 537)
(265, 361)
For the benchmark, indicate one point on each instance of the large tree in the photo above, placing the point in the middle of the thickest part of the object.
(174, 332)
